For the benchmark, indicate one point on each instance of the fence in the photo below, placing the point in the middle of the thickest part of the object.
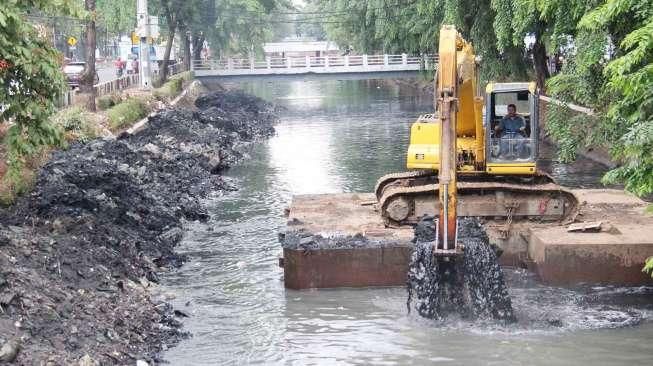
(69, 97)
(313, 64)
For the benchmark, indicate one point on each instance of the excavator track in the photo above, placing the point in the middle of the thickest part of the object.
(393, 179)
(400, 205)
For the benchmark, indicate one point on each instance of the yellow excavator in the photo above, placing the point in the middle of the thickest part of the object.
(460, 161)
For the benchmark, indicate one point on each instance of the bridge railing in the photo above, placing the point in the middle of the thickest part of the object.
(357, 62)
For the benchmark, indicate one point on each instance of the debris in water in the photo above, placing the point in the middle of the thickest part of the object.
(471, 285)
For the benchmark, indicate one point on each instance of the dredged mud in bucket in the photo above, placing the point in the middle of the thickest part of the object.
(470, 285)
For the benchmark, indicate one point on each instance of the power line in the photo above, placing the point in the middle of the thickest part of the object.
(238, 14)
(318, 13)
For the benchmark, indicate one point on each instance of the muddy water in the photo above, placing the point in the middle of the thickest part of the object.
(339, 136)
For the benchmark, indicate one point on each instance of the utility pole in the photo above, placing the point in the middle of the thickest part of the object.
(143, 32)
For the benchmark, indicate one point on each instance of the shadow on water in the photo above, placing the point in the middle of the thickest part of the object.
(339, 136)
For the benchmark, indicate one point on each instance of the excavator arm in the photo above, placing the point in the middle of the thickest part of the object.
(446, 95)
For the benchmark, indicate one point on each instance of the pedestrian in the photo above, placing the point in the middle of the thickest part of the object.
(135, 65)
(118, 65)
(129, 67)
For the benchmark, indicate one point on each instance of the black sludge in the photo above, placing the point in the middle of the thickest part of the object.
(471, 285)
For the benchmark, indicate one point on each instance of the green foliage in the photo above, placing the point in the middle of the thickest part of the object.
(241, 25)
(184, 76)
(304, 27)
(169, 90)
(393, 26)
(12, 186)
(117, 16)
(618, 88)
(77, 124)
(30, 79)
(126, 113)
(648, 268)
(107, 101)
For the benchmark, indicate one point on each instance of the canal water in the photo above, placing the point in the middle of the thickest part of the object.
(340, 136)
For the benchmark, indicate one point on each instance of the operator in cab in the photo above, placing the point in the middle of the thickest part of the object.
(511, 123)
(512, 131)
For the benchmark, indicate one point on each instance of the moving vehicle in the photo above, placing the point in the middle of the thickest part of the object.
(459, 163)
(74, 71)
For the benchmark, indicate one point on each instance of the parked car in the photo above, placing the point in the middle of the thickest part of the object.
(74, 71)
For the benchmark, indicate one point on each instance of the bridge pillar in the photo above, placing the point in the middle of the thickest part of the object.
(230, 64)
(267, 62)
(308, 61)
(326, 61)
(385, 60)
(365, 61)
(251, 63)
(404, 59)
(288, 62)
(346, 60)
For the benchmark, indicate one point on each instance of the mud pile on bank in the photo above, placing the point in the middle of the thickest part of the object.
(471, 285)
(76, 254)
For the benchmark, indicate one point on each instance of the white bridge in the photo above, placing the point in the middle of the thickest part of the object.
(313, 65)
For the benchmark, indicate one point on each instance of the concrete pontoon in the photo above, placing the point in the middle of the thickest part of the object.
(613, 253)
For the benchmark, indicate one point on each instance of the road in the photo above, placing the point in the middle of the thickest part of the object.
(106, 72)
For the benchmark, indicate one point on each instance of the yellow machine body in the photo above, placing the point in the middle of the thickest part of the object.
(473, 132)
(468, 149)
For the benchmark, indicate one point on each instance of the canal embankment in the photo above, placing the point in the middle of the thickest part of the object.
(116, 112)
(82, 252)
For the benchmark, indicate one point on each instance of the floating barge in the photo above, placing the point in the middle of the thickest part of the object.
(340, 240)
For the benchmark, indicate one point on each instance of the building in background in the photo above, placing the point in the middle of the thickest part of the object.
(300, 48)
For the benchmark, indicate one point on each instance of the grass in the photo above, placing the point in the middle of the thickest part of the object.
(21, 180)
(173, 86)
(169, 90)
(107, 101)
(77, 124)
(127, 113)
(185, 76)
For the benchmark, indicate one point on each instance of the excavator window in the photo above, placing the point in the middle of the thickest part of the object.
(510, 145)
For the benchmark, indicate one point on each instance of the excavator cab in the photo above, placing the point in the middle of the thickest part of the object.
(511, 152)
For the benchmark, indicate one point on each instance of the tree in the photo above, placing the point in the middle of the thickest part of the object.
(307, 28)
(118, 16)
(392, 26)
(31, 79)
(611, 70)
(241, 26)
(549, 23)
(170, 10)
(88, 78)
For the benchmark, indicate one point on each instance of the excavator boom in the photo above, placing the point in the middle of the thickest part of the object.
(446, 92)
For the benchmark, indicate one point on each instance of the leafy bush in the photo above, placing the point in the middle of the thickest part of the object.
(126, 113)
(31, 80)
(170, 89)
(76, 123)
(21, 180)
(618, 89)
(13, 186)
(185, 76)
(648, 268)
(107, 101)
